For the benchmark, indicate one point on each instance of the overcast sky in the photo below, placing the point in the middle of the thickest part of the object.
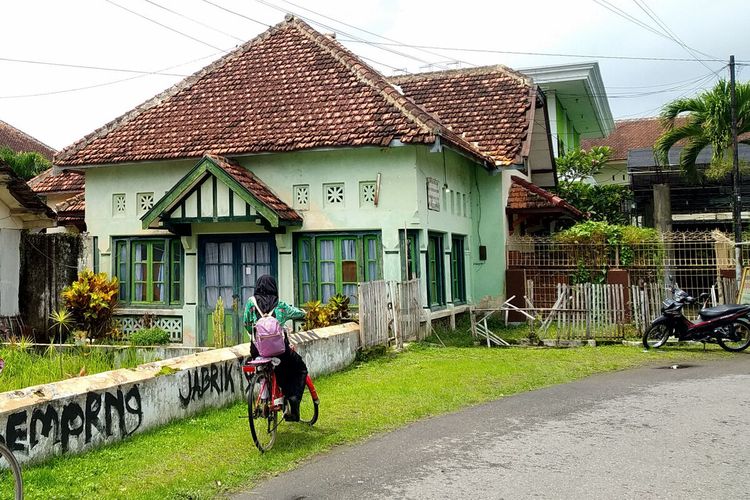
(59, 105)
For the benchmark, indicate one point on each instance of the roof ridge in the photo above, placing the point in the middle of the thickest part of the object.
(166, 94)
(362, 70)
(478, 70)
(369, 76)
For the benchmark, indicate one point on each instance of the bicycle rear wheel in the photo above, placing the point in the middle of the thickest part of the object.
(308, 408)
(263, 419)
(14, 470)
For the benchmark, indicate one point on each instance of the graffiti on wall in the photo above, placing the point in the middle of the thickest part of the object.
(205, 380)
(117, 413)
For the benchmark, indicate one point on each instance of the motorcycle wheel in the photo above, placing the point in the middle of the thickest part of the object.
(656, 336)
(741, 340)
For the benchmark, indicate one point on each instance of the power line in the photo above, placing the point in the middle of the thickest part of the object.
(105, 84)
(524, 53)
(200, 23)
(265, 25)
(616, 10)
(83, 66)
(671, 34)
(628, 95)
(164, 26)
(408, 56)
(368, 32)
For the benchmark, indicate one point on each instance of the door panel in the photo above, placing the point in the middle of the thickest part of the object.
(228, 268)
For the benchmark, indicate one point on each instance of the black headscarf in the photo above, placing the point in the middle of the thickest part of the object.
(266, 293)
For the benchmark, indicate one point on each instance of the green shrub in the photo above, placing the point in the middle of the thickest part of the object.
(150, 336)
(91, 300)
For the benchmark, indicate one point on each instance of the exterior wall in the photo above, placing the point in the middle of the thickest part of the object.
(565, 130)
(79, 414)
(10, 261)
(402, 204)
(457, 173)
(613, 173)
(52, 200)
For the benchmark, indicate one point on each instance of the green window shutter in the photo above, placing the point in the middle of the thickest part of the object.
(435, 272)
(373, 269)
(122, 268)
(175, 268)
(327, 272)
(458, 275)
(150, 270)
(409, 250)
(304, 269)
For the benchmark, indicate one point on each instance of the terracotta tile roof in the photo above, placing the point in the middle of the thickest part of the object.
(257, 188)
(629, 134)
(72, 211)
(65, 182)
(525, 196)
(492, 107)
(291, 88)
(22, 193)
(19, 141)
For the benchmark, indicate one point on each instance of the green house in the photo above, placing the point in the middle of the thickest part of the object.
(291, 156)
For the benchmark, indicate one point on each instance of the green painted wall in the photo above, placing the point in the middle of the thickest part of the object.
(402, 204)
(566, 132)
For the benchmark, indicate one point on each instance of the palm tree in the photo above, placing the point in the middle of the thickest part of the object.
(708, 123)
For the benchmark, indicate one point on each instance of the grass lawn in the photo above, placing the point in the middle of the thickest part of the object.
(25, 367)
(213, 453)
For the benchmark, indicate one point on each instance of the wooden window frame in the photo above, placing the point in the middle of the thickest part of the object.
(173, 281)
(458, 269)
(363, 258)
(435, 270)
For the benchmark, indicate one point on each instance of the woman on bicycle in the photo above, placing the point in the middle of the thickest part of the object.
(292, 371)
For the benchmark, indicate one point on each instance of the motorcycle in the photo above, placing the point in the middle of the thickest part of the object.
(728, 325)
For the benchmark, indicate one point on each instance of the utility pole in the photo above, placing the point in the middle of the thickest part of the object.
(736, 175)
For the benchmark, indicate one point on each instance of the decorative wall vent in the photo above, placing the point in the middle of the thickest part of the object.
(145, 202)
(367, 193)
(333, 194)
(302, 197)
(119, 205)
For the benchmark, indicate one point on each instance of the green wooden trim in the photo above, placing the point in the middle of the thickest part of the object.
(174, 194)
(231, 203)
(245, 194)
(193, 220)
(206, 165)
(215, 190)
(168, 262)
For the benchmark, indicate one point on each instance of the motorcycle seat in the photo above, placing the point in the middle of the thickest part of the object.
(718, 311)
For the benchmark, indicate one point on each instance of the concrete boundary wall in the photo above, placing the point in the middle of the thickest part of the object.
(79, 414)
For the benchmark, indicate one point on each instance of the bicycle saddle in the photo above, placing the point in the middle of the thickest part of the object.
(262, 361)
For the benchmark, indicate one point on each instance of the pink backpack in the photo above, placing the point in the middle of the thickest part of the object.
(269, 334)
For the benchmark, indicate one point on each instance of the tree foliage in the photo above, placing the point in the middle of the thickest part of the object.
(707, 122)
(579, 164)
(25, 164)
(608, 203)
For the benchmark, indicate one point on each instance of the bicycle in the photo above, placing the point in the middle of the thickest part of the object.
(10, 461)
(265, 401)
(15, 470)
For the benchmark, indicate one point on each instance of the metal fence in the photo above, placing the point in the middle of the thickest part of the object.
(389, 312)
(697, 261)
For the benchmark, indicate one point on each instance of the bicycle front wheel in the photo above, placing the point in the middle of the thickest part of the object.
(308, 407)
(13, 472)
(263, 419)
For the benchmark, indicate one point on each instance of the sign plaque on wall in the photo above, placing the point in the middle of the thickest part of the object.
(433, 194)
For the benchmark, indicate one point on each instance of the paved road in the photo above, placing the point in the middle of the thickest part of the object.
(646, 433)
